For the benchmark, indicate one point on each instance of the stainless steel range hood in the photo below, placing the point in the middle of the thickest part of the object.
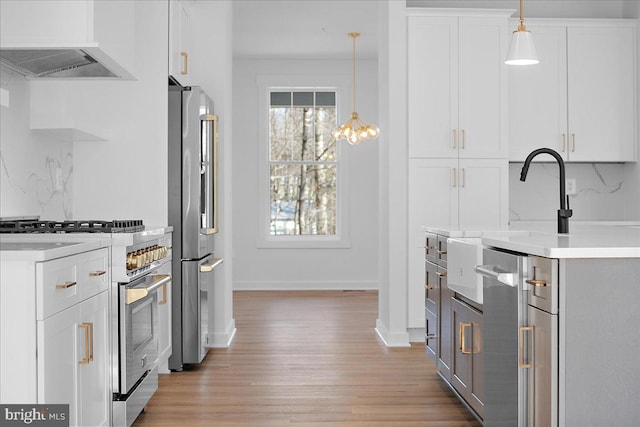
(52, 63)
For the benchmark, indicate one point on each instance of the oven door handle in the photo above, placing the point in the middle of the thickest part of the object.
(503, 277)
(136, 294)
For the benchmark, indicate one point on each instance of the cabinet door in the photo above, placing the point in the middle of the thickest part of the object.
(179, 41)
(483, 193)
(602, 81)
(60, 349)
(432, 86)
(538, 97)
(462, 345)
(543, 370)
(467, 367)
(445, 332)
(433, 193)
(482, 80)
(94, 377)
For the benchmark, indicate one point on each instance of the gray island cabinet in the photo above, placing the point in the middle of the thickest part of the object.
(579, 348)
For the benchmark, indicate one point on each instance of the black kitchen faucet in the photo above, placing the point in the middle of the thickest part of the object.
(564, 213)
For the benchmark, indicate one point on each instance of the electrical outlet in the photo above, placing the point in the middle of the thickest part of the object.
(571, 186)
(4, 97)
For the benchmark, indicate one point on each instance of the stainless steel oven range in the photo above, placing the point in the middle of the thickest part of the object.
(141, 271)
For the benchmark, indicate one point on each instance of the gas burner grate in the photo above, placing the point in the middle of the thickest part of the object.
(39, 226)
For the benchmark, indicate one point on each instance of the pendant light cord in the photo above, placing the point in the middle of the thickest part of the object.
(354, 35)
(521, 27)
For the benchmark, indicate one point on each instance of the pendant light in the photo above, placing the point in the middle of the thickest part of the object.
(521, 50)
(354, 131)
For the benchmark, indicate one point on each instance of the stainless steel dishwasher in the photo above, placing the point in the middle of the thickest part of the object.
(520, 294)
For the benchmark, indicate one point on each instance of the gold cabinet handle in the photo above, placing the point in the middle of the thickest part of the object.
(442, 252)
(185, 62)
(535, 282)
(522, 330)
(428, 337)
(97, 273)
(164, 295)
(464, 180)
(463, 348)
(441, 273)
(66, 285)
(462, 133)
(88, 343)
(455, 139)
(429, 287)
(455, 177)
(573, 142)
(564, 142)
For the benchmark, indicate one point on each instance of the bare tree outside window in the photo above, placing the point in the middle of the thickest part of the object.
(303, 163)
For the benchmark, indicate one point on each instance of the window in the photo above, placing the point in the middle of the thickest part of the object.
(303, 163)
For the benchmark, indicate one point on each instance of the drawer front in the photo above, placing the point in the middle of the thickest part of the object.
(431, 338)
(63, 282)
(542, 276)
(431, 246)
(441, 251)
(431, 287)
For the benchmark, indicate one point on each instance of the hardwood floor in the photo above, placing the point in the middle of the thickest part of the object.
(307, 359)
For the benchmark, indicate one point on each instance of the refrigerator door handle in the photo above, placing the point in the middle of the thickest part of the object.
(207, 268)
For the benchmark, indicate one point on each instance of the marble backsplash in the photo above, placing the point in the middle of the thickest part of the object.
(36, 172)
(601, 191)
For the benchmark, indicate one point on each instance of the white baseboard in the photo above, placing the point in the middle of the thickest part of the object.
(392, 339)
(222, 340)
(349, 285)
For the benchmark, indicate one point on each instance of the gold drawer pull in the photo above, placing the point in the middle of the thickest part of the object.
(66, 285)
(455, 139)
(463, 138)
(97, 273)
(538, 283)
(441, 273)
(564, 142)
(442, 252)
(521, 362)
(428, 337)
(429, 287)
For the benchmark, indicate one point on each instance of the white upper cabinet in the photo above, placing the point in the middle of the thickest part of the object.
(103, 30)
(457, 85)
(179, 41)
(581, 98)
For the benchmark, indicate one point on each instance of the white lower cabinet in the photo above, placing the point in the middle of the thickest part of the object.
(54, 331)
(73, 361)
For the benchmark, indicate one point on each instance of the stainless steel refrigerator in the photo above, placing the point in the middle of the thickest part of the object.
(192, 212)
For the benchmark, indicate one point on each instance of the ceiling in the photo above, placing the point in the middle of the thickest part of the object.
(304, 29)
(317, 29)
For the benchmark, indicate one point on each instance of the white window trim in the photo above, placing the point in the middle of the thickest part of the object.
(339, 83)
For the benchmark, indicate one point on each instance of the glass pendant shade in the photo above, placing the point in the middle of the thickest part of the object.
(521, 51)
(354, 131)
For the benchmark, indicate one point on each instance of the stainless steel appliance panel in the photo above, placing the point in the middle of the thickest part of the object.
(191, 312)
(504, 311)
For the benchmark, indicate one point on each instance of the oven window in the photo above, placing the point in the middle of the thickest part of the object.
(142, 323)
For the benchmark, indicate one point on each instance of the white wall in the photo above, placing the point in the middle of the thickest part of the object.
(125, 177)
(29, 161)
(212, 69)
(355, 267)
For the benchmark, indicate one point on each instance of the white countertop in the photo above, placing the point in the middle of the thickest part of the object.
(44, 250)
(588, 239)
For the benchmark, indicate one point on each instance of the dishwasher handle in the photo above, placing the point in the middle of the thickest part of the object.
(492, 271)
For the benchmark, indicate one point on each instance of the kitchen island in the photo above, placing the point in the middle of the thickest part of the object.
(560, 344)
